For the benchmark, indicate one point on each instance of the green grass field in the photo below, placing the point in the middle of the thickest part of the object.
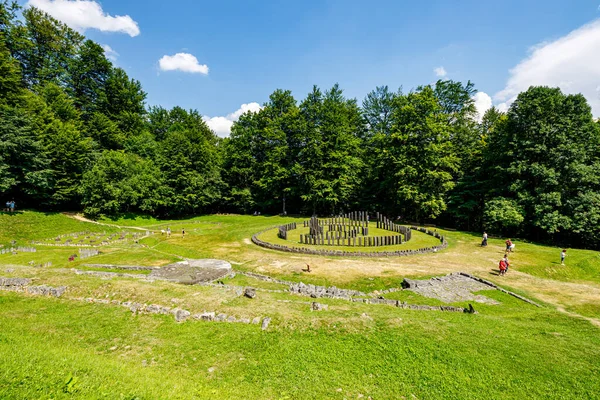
(65, 348)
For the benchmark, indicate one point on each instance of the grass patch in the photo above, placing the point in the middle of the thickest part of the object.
(108, 354)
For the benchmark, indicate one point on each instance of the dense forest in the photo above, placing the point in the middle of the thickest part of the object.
(76, 134)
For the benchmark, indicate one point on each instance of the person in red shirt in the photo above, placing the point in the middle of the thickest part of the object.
(502, 267)
(508, 244)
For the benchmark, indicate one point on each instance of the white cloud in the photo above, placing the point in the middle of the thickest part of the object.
(222, 125)
(182, 62)
(110, 53)
(483, 102)
(252, 107)
(86, 14)
(440, 72)
(571, 62)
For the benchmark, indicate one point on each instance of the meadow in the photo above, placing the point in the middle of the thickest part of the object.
(68, 348)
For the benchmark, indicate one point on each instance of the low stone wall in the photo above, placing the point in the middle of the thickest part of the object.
(339, 253)
(400, 304)
(264, 278)
(122, 267)
(283, 230)
(180, 315)
(322, 291)
(490, 284)
(22, 285)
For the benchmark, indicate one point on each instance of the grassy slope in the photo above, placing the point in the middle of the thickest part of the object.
(519, 353)
(508, 351)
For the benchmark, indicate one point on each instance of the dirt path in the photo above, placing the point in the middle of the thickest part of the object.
(81, 218)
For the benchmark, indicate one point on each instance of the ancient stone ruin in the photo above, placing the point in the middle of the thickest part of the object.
(353, 230)
(350, 230)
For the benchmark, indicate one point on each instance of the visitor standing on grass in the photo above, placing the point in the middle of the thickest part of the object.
(505, 259)
(502, 267)
(485, 237)
(508, 244)
(562, 257)
(183, 232)
(168, 231)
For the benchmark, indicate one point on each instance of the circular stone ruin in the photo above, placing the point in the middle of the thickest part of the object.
(353, 232)
(191, 272)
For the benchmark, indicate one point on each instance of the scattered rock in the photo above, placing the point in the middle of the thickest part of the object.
(322, 291)
(256, 321)
(14, 281)
(136, 307)
(181, 315)
(250, 293)
(221, 317)
(207, 316)
(265, 323)
(46, 290)
(231, 319)
(318, 306)
(211, 370)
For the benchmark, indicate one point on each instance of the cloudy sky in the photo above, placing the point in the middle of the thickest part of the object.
(225, 57)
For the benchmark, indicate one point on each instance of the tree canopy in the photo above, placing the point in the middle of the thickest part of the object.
(76, 134)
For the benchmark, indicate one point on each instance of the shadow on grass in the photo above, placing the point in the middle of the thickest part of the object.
(11, 214)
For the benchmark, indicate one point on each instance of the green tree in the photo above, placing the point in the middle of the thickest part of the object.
(544, 155)
(48, 50)
(377, 109)
(418, 159)
(502, 216)
(10, 76)
(190, 161)
(89, 71)
(25, 164)
(120, 182)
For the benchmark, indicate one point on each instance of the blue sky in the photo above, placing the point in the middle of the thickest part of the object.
(252, 48)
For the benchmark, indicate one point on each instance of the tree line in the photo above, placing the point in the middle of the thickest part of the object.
(76, 134)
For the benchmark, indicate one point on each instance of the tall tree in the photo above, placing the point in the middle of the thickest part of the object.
(89, 72)
(119, 183)
(377, 108)
(51, 45)
(418, 157)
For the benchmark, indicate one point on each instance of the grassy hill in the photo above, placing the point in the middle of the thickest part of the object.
(68, 348)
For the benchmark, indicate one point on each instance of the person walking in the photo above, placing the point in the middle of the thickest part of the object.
(182, 232)
(484, 241)
(508, 244)
(562, 256)
(168, 231)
